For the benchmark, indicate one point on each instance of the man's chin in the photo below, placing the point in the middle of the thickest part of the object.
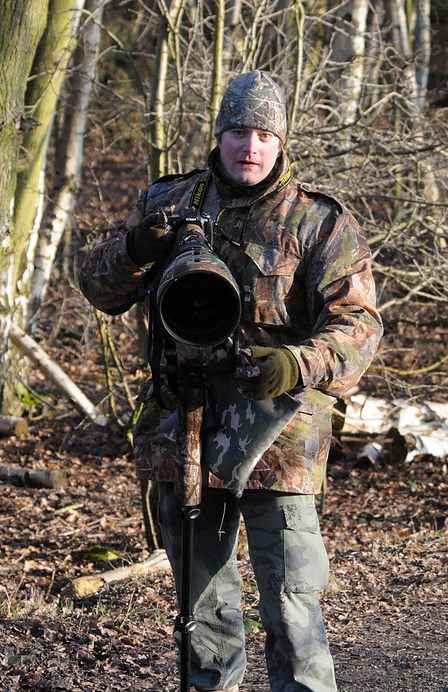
(248, 180)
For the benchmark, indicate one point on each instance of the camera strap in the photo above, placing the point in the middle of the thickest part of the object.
(200, 190)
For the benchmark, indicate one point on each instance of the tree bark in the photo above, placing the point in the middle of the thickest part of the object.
(167, 24)
(355, 73)
(218, 56)
(422, 49)
(42, 95)
(22, 25)
(69, 160)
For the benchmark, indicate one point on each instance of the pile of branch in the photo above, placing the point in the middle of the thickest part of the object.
(408, 428)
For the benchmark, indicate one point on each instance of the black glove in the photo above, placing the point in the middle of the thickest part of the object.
(272, 371)
(151, 240)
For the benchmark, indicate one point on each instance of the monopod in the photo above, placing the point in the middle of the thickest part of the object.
(198, 306)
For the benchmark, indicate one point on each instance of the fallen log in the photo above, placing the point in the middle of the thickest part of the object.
(82, 587)
(43, 478)
(13, 425)
(56, 375)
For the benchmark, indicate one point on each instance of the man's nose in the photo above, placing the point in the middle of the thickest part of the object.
(250, 142)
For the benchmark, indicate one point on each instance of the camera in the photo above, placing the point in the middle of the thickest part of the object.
(198, 300)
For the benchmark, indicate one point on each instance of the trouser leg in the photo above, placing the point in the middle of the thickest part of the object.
(290, 562)
(218, 658)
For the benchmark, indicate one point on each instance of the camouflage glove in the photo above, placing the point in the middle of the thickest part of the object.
(151, 240)
(272, 372)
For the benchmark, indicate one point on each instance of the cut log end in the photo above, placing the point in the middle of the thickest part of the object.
(13, 425)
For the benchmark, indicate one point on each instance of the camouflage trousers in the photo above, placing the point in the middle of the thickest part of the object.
(289, 561)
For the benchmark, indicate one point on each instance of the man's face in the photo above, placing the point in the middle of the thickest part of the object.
(248, 155)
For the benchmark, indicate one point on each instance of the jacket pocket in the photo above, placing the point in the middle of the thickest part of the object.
(270, 277)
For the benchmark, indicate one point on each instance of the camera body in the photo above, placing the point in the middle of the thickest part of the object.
(198, 300)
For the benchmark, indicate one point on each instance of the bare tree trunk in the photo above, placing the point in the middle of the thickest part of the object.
(22, 25)
(167, 24)
(42, 95)
(233, 13)
(70, 158)
(217, 65)
(355, 73)
(51, 59)
(401, 39)
(156, 106)
(299, 14)
(422, 48)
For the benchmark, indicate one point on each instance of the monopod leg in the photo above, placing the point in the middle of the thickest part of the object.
(188, 492)
(186, 621)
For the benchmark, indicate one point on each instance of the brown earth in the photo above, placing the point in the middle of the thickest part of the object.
(385, 527)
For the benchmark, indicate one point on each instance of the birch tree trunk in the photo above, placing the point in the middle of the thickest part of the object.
(217, 65)
(401, 40)
(42, 95)
(69, 160)
(299, 19)
(233, 12)
(50, 60)
(422, 48)
(355, 73)
(22, 25)
(169, 17)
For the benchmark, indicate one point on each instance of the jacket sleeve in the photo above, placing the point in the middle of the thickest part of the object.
(108, 278)
(342, 304)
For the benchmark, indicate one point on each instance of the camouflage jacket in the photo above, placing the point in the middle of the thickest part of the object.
(306, 267)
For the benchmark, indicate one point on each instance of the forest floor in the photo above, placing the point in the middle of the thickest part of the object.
(385, 527)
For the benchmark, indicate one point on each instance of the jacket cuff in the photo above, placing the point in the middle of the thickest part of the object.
(296, 354)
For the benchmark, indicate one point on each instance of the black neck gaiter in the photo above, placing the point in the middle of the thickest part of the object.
(228, 188)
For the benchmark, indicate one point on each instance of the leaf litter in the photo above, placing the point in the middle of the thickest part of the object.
(385, 527)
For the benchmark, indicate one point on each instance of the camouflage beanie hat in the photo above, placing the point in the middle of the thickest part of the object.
(253, 100)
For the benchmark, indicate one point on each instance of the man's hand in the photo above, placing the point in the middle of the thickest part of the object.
(269, 372)
(151, 240)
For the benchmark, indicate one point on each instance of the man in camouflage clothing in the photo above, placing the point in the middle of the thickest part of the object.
(310, 324)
